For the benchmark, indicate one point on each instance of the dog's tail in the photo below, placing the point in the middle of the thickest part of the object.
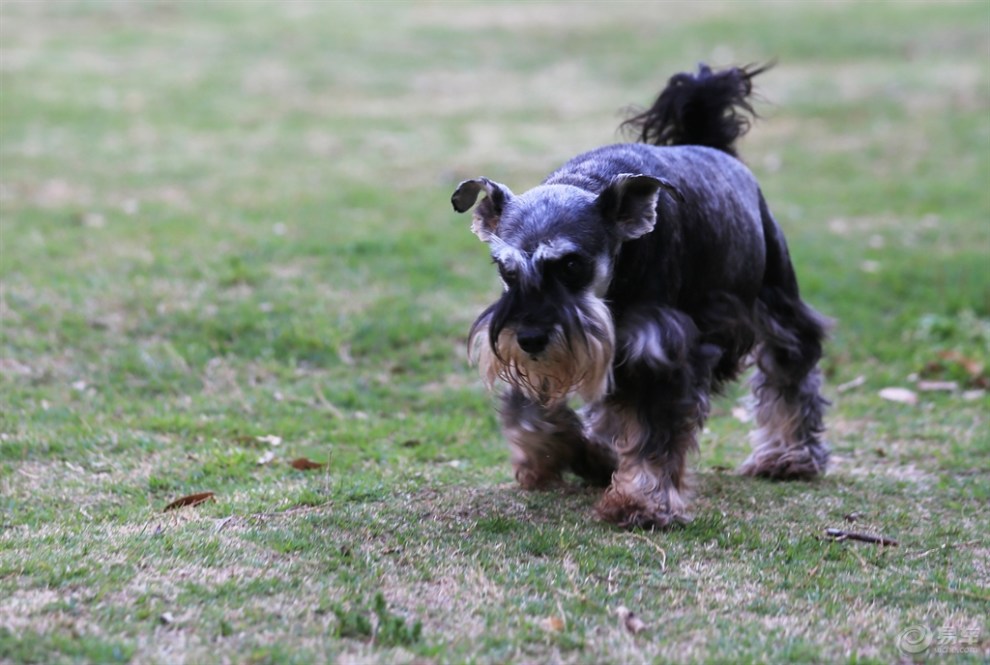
(710, 108)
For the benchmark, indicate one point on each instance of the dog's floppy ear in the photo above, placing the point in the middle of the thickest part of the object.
(630, 203)
(489, 211)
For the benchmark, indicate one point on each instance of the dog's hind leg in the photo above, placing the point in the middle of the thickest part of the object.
(787, 443)
(544, 442)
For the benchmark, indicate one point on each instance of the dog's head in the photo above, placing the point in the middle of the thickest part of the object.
(550, 334)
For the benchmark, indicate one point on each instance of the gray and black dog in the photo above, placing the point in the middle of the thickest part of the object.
(642, 277)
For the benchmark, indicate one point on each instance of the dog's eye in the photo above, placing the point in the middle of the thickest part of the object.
(572, 270)
(509, 275)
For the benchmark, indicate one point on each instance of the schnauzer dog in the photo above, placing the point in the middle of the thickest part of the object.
(642, 277)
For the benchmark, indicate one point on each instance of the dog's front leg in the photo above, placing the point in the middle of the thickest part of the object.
(546, 441)
(650, 487)
(539, 439)
(644, 494)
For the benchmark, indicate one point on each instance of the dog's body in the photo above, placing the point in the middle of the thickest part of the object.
(640, 277)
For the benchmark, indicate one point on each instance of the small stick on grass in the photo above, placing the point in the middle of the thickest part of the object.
(663, 553)
(839, 534)
(330, 407)
(943, 546)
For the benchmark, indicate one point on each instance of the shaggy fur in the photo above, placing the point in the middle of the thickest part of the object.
(640, 277)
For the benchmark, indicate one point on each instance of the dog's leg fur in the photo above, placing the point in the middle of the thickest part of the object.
(545, 442)
(787, 443)
(653, 420)
(651, 486)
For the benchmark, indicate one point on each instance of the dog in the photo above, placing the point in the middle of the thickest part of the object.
(641, 278)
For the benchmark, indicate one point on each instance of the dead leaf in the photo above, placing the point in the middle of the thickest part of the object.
(741, 414)
(851, 385)
(190, 500)
(344, 353)
(937, 386)
(902, 395)
(629, 619)
(870, 266)
(92, 220)
(304, 464)
(552, 624)
(972, 366)
(974, 369)
(410, 443)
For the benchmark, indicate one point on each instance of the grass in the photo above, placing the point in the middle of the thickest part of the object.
(226, 225)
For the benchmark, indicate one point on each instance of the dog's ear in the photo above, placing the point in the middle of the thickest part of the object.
(630, 203)
(489, 211)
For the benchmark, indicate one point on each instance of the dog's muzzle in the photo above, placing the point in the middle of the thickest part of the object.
(548, 366)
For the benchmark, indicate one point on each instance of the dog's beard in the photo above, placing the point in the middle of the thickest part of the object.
(574, 362)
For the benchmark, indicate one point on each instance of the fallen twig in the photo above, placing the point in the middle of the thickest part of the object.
(943, 546)
(221, 524)
(329, 406)
(660, 550)
(960, 592)
(287, 511)
(839, 534)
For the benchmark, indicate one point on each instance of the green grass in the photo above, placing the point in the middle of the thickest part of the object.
(226, 222)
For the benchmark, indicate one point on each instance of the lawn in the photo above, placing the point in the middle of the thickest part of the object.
(226, 243)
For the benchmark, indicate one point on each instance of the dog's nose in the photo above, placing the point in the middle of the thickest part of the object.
(532, 341)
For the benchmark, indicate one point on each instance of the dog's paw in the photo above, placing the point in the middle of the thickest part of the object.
(627, 512)
(534, 479)
(798, 463)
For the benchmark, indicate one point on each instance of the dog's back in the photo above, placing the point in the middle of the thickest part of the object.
(715, 240)
(704, 240)
(688, 136)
